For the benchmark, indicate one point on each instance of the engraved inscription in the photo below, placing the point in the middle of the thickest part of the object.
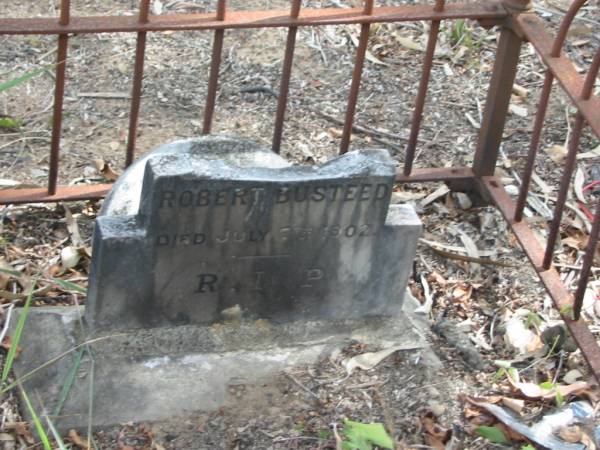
(312, 276)
(284, 194)
(259, 236)
(208, 282)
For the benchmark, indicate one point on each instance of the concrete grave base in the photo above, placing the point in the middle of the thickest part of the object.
(159, 373)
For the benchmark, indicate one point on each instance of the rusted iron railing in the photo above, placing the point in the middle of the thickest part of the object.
(517, 24)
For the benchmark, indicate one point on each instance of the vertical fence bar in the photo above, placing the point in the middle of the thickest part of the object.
(496, 106)
(590, 251)
(215, 64)
(586, 268)
(569, 164)
(542, 106)
(534, 145)
(284, 85)
(356, 78)
(59, 94)
(422, 91)
(136, 90)
(563, 190)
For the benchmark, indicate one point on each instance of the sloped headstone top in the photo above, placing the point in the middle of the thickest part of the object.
(207, 229)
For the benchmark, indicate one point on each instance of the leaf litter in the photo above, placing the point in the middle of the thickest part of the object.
(465, 277)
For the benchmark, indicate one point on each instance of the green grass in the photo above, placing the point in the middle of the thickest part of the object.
(64, 392)
(36, 420)
(14, 345)
(64, 284)
(54, 360)
(56, 434)
(22, 79)
(11, 123)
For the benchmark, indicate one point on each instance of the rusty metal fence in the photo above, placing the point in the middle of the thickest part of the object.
(517, 24)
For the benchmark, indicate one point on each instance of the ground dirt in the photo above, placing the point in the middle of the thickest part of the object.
(472, 303)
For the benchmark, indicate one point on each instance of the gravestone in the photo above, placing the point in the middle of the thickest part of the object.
(226, 227)
(216, 265)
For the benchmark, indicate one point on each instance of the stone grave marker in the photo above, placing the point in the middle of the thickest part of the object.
(228, 227)
(216, 264)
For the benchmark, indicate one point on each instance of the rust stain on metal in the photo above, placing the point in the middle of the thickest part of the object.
(563, 190)
(562, 298)
(215, 64)
(136, 90)
(284, 85)
(361, 52)
(63, 193)
(252, 19)
(435, 174)
(562, 69)
(534, 144)
(564, 27)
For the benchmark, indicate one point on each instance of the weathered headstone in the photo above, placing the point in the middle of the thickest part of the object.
(216, 264)
(223, 226)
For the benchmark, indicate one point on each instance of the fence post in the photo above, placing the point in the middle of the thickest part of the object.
(499, 92)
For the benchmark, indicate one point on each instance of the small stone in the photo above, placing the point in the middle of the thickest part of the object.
(436, 407)
(463, 200)
(572, 376)
(433, 392)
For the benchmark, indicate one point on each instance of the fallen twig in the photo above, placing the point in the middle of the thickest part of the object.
(360, 128)
(456, 256)
(300, 385)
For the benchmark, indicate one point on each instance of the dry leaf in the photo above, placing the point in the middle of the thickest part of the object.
(335, 132)
(578, 182)
(4, 277)
(571, 434)
(439, 192)
(370, 57)
(436, 436)
(462, 292)
(557, 153)
(518, 110)
(72, 227)
(6, 437)
(76, 439)
(6, 344)
(591, 154)
(532, 390)
(408, 42)
(520, 90)
(436, 277)
(367, 361)
(22, 429)
(515, 404)
(105, 169)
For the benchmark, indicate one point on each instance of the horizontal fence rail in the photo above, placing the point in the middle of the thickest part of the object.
(517, 25)
(253, 19)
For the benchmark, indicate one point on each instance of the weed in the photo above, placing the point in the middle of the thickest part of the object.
(36, 420)
(10, 358)
(492, 434)
(10, 124)
(567, 310)
(362, 436)
(460, 33)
